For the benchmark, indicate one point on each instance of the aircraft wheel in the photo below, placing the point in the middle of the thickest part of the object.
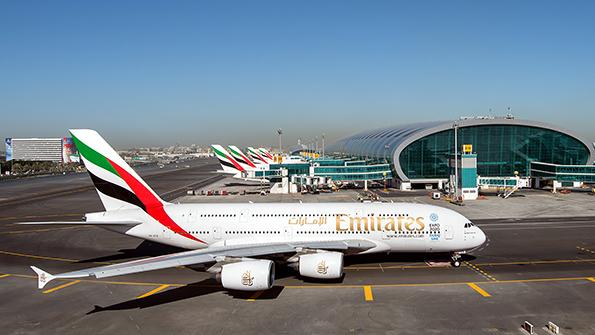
(456, 263)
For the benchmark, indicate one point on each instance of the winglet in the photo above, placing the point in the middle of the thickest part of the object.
(42, 277)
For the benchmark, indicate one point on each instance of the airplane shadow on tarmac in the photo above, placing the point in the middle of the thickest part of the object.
(201, 288)
(189, 291)
(144, 249)
(209, 286)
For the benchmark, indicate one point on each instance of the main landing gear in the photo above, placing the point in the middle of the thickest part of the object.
(455, 260)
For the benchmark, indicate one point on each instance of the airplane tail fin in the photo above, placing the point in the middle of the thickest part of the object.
(118, 186)
(42, 277)
(257, 156)
(228, 163)
(241, 158)
(266, 153)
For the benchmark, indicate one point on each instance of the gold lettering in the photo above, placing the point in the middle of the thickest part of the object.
(358, 221)
(420, 222)
(339, 221)
(391, 224)
(378, 225)
(410, 220)
(400, 223)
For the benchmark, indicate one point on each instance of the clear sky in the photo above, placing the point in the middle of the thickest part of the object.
(165, 72)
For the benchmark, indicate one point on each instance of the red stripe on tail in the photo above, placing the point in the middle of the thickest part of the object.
(153, 206)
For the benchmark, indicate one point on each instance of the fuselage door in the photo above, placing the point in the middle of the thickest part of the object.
(244, 215)
(217, 232)
(448, 231)
(288, 233)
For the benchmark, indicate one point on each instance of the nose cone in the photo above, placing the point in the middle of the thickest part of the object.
(482, 237)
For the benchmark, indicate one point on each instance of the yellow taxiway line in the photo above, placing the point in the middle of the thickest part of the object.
(61, 286)
(38, 216)
(368, 296)
(480, 271)
(513, 281)
(537, 262)
(479, 290)
(10, 253)
(4, 276)
(153, 291)
(25, 231)
(69, 260)
(255, 296)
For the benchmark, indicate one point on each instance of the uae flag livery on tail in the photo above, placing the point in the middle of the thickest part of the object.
(118, 185)
(257, 156)
(228, 163)
(239, 156)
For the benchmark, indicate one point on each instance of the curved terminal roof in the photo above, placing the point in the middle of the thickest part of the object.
(389, 142)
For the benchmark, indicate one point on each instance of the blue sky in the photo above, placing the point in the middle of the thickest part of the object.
(163, 72)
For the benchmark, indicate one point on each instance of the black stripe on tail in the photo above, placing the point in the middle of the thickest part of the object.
(227, 164)
(116, 191)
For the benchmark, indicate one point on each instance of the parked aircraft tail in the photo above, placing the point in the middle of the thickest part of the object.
(228, 163)
(242, 159)
(257, 156)
(118, 185)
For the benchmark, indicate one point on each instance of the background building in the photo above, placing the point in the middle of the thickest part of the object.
(419, 152)
(34, 149)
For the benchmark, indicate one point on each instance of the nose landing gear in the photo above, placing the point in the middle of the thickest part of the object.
(455, 260)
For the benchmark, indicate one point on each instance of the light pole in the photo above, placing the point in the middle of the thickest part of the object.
(280, 132)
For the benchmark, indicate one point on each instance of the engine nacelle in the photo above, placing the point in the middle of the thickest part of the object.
(256, 275)
(324, 265)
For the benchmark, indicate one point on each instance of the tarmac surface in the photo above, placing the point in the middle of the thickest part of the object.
(537, 269)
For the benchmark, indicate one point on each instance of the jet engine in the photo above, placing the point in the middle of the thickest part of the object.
(255, 275)
(324, 265)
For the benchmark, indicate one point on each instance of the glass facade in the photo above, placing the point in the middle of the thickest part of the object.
(292, 168)
(329, 170)
(584, 173)
(501, 150)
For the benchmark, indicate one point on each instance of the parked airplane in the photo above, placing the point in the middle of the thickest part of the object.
(228, 163)
(239, 166)
(312, 238)
(266, 154)
(259, 157)
(244, 161)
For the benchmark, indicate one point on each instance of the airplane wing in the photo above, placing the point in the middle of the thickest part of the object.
(200, 256)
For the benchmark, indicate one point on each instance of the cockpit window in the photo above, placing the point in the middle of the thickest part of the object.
(469, 225)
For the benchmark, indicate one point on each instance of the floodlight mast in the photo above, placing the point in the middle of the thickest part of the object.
(280, 132)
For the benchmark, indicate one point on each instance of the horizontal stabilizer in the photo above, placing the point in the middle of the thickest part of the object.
(90, 223)
(42, 277)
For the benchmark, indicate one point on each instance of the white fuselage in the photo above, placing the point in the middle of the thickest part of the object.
(401, 227)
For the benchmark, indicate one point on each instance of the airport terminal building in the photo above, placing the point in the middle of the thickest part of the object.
(419, 153)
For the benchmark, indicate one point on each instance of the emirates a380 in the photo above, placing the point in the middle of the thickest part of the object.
(237, 241)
